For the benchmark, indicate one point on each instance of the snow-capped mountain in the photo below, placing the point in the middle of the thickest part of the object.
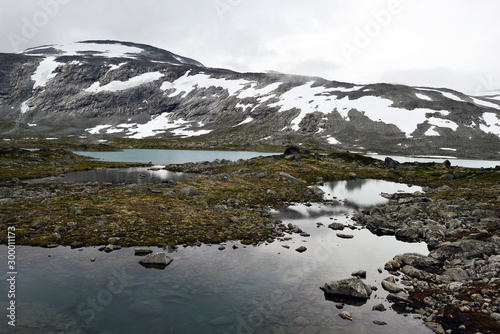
(99, 89)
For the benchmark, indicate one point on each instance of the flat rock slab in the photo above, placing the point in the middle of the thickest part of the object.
(157, 261)
(345, 236)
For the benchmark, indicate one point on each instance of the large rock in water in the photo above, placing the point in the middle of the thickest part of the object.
(157, 260)
(350, 291)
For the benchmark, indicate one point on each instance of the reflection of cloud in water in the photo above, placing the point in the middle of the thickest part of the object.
(296, 212)
(364, 192)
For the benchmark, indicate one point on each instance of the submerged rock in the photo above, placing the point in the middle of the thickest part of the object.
(346, 315)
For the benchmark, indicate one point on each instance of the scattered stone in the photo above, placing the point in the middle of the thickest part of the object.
(398, 297)
(435, 327)
(157, 261)
(37, 224)
(346, 315)
(359, 274)
(290, 178)
(221, 247)
(380, 323)
(301, 249)
(347, 288)
(379, 307)
(391, 287)
(189, 192)
(345, 236)
(391, 163)
(60, 229)
(336, 226)
(76, 245)
(109, 248)
(113, 240)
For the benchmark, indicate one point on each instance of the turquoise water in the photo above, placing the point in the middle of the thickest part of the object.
(136, 175)
(249, 289)
(453, 161)
(159, 157)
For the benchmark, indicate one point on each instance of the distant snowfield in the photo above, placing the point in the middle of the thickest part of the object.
(96, 49)
(492, 123)
(187, 83)
(115, 86)
(308, 99)
(304, 99)
(158, 124)
(445, 94)
(485, 103)
(423, 97)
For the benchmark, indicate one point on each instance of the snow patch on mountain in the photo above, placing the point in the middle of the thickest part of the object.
(380, 110)
(45, 72)
(253, 92)
(443, 123)
(188, 83)
(492, 123)
(245, 121)
(485, 103)
(432, 132)
(115, 86)
(24, 107)
(423, 97)
(307, 99)
(158, 124)
(112, 50)
(332, 140)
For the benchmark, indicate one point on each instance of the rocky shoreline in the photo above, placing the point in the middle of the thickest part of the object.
(455, 288)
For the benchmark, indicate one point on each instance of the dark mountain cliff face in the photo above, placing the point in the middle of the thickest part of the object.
(100, 89)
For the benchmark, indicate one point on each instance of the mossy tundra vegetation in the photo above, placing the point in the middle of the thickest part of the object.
(227, 201)
(231, 201)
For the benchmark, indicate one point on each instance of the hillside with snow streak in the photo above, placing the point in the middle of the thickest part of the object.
(100, 89)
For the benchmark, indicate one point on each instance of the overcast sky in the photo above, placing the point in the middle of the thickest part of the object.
(454, 44)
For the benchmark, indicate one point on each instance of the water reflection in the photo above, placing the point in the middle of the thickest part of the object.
(137, 175)
(158, 157)
(363, 193)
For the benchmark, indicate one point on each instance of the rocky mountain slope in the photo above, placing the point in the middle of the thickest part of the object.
(100, 89)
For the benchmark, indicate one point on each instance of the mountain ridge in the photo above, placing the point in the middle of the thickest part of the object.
(103, 89)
